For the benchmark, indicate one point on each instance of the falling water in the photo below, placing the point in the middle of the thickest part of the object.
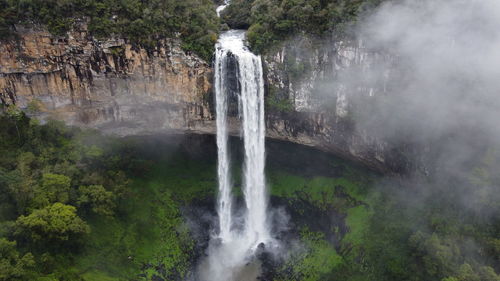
(224, 207)
(251, 97)
(228, 259)
(252, 105)
(221, 8)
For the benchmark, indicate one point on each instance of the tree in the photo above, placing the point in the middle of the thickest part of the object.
(54, 188)
(56, 222)
(140, 21)
(14, 113)
(13, 266)
(97, 198)
(21, 182)
(487, 273)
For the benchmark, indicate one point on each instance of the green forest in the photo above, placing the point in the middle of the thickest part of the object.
(51, 184)
(141, 22)
(195, 21)
(76, 205)
(272, 21)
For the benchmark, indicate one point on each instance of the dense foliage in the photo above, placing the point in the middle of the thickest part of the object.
(141, 21)
(75, 205)
(51, 182)
(270, 21)
(68, 212)
(440, 228)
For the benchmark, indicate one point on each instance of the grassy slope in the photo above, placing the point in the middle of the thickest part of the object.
(320, 258)
(150, 230)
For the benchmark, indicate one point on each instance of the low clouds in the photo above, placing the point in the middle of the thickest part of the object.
(446, 72)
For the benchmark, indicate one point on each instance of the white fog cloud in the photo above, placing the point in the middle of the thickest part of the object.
(448, 66)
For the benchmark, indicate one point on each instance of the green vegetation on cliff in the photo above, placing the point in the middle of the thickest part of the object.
(271, 21)
(141, 21)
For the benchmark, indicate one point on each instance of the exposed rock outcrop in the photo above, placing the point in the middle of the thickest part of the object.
(313, 89)
(107, 84)
(123, 89)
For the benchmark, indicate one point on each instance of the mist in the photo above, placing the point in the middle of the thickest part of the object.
(436, 88)
(443, 73)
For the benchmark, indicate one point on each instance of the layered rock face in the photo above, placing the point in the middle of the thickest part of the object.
(121, 89)
(314, 88)
(107, 84)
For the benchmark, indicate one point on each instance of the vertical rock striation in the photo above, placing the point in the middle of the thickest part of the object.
(112, 85)
(107, 84)
(315, 86)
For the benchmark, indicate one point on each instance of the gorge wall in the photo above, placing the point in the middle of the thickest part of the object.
(317, 87)
(106, 84)
(122, 89)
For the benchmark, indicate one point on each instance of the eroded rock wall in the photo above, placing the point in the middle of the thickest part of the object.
(314, 88)
(107, 84)
(311, 89)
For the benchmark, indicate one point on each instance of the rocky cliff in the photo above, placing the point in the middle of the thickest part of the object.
(314, 89)
(123, 89)
(106, 84)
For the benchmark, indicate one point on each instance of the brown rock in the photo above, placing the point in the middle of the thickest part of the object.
(107, 84)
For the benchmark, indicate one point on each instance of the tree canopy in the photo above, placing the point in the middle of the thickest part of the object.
(140, 21)
(52, 180)
(55, 222)
(14, 266)
(271, 21)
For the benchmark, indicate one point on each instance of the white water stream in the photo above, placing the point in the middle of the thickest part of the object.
(224, 202)
(229, 257)
(251, 97)
(252, 107)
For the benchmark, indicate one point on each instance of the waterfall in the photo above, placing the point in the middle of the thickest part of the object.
(252, 105)
(224, 208)
(222, 7)
(251, 98)
(238, 73)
